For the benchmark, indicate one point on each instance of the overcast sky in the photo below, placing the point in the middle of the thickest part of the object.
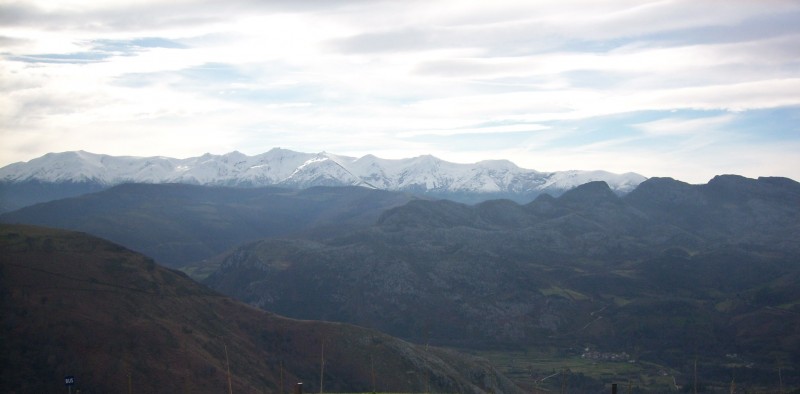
(685, 89)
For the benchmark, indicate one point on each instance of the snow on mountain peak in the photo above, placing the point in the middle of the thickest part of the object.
(278, 166)
(497, 164)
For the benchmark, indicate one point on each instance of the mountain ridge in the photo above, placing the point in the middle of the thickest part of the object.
(544, 267)
(179, 223)
(425, 174)
(660, 272)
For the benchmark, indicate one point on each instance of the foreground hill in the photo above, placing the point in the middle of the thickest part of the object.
(77, 305)
(177, 224)
(68, 174)
(669, 272)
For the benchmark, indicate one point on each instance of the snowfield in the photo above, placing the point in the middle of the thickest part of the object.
(281, 167)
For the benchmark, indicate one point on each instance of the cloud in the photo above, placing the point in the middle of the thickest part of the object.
(487, 129)
(134, 45)
(81, 57)
(10, 42)
(388, 41)
(99, 50)
(125, 16)
(590, 80)
(672, 126)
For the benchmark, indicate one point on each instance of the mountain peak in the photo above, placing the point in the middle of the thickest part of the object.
(368, 157)
(595, 191)
(427, 159)
(728, 179)
(498, 164)
(665, 192)
(235, 153)
(659, 185)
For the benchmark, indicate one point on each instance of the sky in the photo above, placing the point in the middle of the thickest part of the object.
(682, 89)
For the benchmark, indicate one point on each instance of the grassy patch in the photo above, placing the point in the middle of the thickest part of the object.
(724, 306)
(562, 292)
(199, 272)
(543, 369)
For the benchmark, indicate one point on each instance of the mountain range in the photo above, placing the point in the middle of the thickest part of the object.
(666, 271)
(59, 175)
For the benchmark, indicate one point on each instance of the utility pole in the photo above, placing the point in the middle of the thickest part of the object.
(228, 363)
(372, 367)
(322, 366)
(281, 384)
(188, 370)
(427, 370)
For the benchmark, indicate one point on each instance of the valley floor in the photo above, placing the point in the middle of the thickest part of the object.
(578, 371)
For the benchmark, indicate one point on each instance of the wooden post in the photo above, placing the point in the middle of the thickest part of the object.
(372, 367)
(322, 366)
(298, 388)
(613, 388)
(228, 364)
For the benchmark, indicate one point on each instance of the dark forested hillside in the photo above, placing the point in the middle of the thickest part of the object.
(177, 224)
(77, 305)
(16, 195)
(670, 271)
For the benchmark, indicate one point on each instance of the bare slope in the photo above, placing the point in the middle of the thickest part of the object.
(77, 305)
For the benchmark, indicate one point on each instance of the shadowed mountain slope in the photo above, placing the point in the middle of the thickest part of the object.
(730, 208)
(177, 224)
(662, 273)
(77, 305)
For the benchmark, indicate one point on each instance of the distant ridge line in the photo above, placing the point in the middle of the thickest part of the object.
(280, 167)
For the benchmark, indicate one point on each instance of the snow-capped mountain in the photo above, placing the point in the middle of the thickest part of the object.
(232, 168)
(281, 167)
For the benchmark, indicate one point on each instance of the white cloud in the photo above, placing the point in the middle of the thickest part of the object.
(500, 129)
(663, 127)
(362, 76)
